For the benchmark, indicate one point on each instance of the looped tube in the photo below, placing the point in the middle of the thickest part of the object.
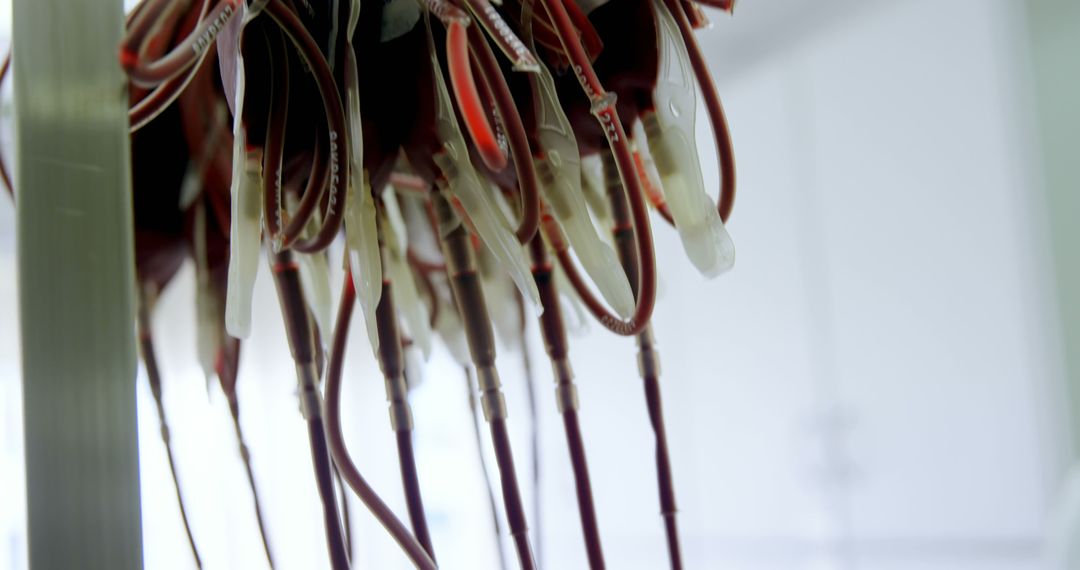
(464, 84)
(669, 132)
(335, 440)
(468, 97)
(519, 142)
(725, 155)
(184, 54)
(337, 129)
(603, 108)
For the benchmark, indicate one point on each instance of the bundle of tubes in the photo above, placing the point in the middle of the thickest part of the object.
(450, 144)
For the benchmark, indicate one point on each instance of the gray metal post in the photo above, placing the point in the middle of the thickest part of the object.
(1054, 28)
(76, 285)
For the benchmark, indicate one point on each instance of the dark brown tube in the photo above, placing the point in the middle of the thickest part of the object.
(391, 362)
(411, 482)
(345, 518)
(302, 345)
(245, 455)
(314, 189)
(412, 548)
(554, 332)
(515, 511)
(534, 431)
(274, 150)
(496, 525)
(338, 129)
(146, 345)
(650, 373)
(648, 363)
(339, 557)
(469, 297)
(227, 372)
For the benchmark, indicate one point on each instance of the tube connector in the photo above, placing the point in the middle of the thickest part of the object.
(648, 362)
(563, 372)
(400, 416)
(491, 396)
(494, 406)
(566, 398)
(310, 400)
(648, 357)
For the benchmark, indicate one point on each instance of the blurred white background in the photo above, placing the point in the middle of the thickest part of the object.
(879, 384)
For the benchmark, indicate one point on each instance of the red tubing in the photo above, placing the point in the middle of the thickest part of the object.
(468, 97)
(656, 197)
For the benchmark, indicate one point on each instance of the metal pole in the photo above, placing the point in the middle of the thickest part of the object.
(76, 285)
(1054, 29)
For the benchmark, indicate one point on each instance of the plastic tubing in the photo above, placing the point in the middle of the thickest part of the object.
(656, 197)
(149, 107)
(467, 96)
(649, 368)
(338, 139)
(391, 361)
(603, 108)
(566, 397)
(463, 84)
(153, 374)
(245, 453)
(336, 441)
(519, 142)
(184, 54)
(274, 149)
(511, 45)
(318, 177)
(725, 154)
(589, 36)
(469, 297)
(140, 21)
(493, 507)
(302, 345)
